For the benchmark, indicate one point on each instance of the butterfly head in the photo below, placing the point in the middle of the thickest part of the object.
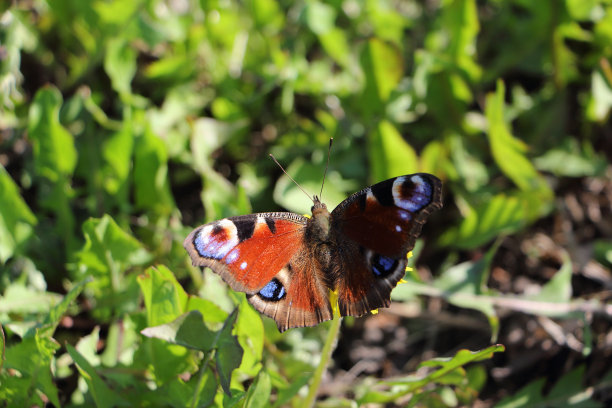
(317, 206)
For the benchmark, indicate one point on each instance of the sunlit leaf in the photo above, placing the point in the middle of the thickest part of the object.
(164, 298)
(229, 353)
(16, 219)
(390, 154)
(102, 394)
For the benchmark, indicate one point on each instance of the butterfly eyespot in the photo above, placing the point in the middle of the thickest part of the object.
(273, 291)
(383, 266)
(412, 193)
(217, 240)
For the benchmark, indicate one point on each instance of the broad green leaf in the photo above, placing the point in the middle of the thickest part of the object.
(250, 333)
(336, 45)
(55, 159)
(601, 96)
(16, 218)
(320, 17)
(501, 215)
(54, 152)
(460, 19)
(572, 160)
(509, 152)
(32, 358)
(151, 184)
(21, 299)
(107, 247)
(102, 394)
(390, 154)
(120, 64)
(387, 23)
(258, 394)
(383, 68)
(117, 152)
(107, 255)
(164, 298)
(187, 330)
(559, 288)
(209, 310)
(229, 353)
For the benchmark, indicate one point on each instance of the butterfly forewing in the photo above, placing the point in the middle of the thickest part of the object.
(264, 256)
(374, 229)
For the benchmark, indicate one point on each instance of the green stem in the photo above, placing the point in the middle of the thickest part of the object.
(328, 347)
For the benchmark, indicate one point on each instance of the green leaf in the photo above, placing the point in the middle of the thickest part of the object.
(390, 154)
(509, 152)
(250, 333)
(603, 251)
(187, 330)
(151, 185)
(117, 152)
(572, 160)
(55, 158)
(559, 288)
(52, 320)
(601, 96)
(567, 393)
(383, 68)
(258, 394)
(102, 394)
(164, 298)
(21, 299)
(16, 219)
(446, 373)
(229, 353)
(320, 17)
(31, 358)
(500, 215)
(54, 152)
(460, 19)
(120, 64)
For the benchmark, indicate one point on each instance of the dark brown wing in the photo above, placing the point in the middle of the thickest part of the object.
(373, 230)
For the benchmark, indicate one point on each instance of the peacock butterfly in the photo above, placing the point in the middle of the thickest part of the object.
(287, 263)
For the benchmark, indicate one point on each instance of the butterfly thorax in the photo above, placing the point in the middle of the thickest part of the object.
(317, 239)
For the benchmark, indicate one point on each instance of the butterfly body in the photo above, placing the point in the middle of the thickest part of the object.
(287, 263)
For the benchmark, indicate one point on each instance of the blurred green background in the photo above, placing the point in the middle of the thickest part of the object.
(123, 125)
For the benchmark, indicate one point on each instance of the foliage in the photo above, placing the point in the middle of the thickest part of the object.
(125, 124)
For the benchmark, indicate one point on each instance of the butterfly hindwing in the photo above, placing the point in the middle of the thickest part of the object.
(264, 256)
(375, 228)
(296, 297)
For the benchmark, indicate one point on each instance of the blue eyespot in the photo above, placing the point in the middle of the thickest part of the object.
(382, 266)
(273, 291)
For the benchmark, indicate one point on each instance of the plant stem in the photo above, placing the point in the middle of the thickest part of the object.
(328, 347)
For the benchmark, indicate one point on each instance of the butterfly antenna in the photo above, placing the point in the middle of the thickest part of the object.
(291, 178)
(331, 140)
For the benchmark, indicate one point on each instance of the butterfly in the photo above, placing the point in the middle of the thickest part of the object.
(287, 263)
